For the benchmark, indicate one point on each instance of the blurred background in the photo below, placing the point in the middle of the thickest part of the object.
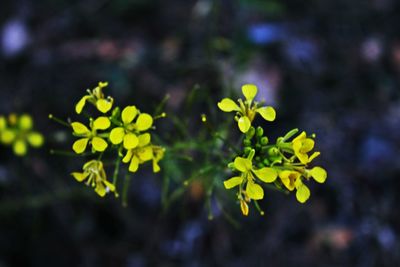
(329, 67)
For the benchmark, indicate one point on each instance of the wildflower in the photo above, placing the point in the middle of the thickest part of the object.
(142, 153)
(248, 176)
(247, 110)
(19, 133)
(95, 176)
(80, 130)
(293, 180)
(126, 133)
(301, 146)
(97, 98)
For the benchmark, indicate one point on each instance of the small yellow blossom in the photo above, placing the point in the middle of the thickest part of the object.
(127, 132)
(301, 146)
(95, 176)
(80, 130)
(144, 152)
(17, 131)
(97, 98)
(293, 180)
(248, 178)
(247, 110)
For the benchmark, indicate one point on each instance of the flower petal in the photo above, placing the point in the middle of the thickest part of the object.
(244, 207)
(268, 113)
(244, 124)
(130, 141)
(302, 193)
(289, 178)
(101, 123)
(103, 105)
(35, 139)
(100, 189)
(156, 166)
(79, 146)
(80, 176)
(79, 128)
(144, 139)
(134, 166)
(254, 191)
(313, 156)
(25, 122)
(99, 144)
(128, 156)
(242, 164)
(319, 174)
(79, 106)
(308, 145)
(7, 136)
(20, 148)
(249, 91)
(300, 137)
(145, 153)
(228, 105)
(128, 114)
(3, 123)
(144, 122)
(232, 182)
(267, 175)
(117, 135)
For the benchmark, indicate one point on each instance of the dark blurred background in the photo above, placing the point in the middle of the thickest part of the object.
(329, 67)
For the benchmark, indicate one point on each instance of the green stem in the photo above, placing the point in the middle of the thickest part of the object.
(125, 190)
(58, 120)
(116, 170)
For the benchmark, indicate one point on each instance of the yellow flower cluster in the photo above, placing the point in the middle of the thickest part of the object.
(283, 164)
(126, 132)
(17, 131)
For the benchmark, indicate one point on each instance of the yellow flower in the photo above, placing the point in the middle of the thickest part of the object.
(248, 176)
(293, 180)
(126, 133)
(20, 133)
(95, 176)
(144, 151)
(248, 109)
(301, 146)
(80, 130)
(97, 98)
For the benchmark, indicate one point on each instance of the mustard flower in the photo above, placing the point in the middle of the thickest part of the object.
(143, 152)
(18, 132)
(292, 179)
(248, 176)
(97, 142)
(301, 146)
(95, 176)
(247, 110)
(127, 132)
(97, 98)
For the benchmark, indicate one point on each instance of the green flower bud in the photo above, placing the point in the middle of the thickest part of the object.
(266, 162)
(247, 151)
(273, 151)
(260, 165)
(231, 166)
(260, 131)
(264, 140)
(250, 133)
(247, 142)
